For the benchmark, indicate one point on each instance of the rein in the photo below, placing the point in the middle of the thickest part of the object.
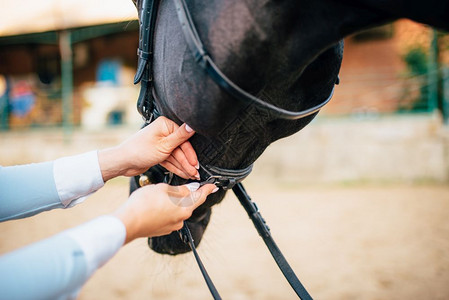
(224, 178)
(187, 238)
(264, 231)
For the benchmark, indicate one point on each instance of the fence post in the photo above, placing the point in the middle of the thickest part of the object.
(4, 109)
(65, 46)
(446, 95)
(432, 73)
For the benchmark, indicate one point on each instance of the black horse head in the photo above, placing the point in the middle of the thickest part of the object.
(287, 53)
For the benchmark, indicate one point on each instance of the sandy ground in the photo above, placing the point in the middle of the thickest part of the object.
(344, 242)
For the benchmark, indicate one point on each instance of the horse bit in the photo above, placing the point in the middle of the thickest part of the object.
(224, 178)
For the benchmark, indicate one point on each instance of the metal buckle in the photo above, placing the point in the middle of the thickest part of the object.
(147, 118)
(224, 182)
(183, 235)
(168, 178)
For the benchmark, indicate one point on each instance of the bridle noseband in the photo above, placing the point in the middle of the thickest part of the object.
(224, 178)
(204, 60)
(144, 73)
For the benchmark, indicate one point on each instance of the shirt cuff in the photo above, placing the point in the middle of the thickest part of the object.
(77, 176)
(100, 239)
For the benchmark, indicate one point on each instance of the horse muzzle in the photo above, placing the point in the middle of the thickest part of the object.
(173, 244)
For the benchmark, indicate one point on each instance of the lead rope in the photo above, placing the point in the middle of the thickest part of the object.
(187, 238)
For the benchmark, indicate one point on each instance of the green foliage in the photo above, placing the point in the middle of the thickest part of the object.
(416, 60)
(417, 65)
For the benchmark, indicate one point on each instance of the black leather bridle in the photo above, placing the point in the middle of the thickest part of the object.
(144, 72)
(224, 178)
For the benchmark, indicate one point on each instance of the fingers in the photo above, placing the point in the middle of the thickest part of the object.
(178, 136)
(159, 209)
(199, 196)
(182, 196)
(174, 169)
(178, 164)
(190, 196)
(185, 165)
(190, 154)
(181, 191)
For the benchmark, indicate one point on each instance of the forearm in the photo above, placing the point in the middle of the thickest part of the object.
(100, 239)
(58, 266)
(113, 163)
(30, 189)
(48, 269)
(26, 190)
(123, 160)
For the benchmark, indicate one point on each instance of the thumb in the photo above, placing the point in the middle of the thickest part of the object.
(199, 196)
(179, 136)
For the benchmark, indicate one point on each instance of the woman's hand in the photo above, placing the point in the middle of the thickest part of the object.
(160, 209)
(162, 142)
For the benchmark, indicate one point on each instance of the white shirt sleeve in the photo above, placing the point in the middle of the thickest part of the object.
(76, 177)
(100, 239)
(57, 267)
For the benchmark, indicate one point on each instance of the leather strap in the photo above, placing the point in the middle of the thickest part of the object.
(186, 237)
(204, 60)
(264, 231)
(144, 73)
(224, 178)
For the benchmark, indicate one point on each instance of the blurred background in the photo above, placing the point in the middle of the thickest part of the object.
(358, 200)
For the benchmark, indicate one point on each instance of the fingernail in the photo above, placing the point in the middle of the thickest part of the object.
(215, 190)
(193, 186)
(197, 166)
(197, 176)
(188, 128)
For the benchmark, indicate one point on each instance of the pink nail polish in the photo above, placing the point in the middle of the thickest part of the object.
(215, 190)
(193, 186)
(188, 128)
